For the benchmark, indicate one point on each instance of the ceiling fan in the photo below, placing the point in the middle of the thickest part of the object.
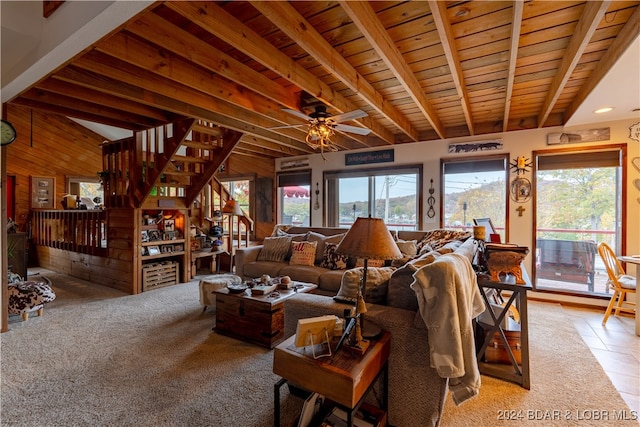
(322, 124)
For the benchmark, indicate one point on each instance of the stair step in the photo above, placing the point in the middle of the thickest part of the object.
(200, 145)
(187, 159)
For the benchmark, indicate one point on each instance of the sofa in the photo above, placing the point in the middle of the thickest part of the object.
(416, 391)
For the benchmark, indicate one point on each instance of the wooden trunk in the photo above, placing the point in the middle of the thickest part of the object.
(257, 322)
(496, 351)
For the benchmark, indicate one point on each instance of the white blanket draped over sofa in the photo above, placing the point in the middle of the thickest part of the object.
(449, 300)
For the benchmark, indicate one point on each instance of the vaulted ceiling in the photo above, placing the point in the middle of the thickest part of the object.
(421, 70)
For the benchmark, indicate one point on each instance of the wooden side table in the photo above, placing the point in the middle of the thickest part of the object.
(343, 378)
(516, 372)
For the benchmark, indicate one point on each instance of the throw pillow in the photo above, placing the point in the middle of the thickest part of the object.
(274, 249)
(322, 240)
(408, 247)
(377, 284)
(303, 253)
(278, 228)
(333, 260)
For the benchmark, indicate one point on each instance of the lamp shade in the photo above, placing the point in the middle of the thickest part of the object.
(369, 238)
(232, 208)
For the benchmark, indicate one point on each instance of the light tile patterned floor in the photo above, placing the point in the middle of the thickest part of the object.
(616, 346)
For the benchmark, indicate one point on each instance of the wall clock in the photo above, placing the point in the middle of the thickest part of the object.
(7, 133)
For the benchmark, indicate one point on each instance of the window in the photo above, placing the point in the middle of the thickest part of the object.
(475, 188)
(391, 194)
(294, 201)
(578, 204)
(89, 189)
(240, 191)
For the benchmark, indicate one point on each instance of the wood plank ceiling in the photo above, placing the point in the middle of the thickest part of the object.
(421, 70)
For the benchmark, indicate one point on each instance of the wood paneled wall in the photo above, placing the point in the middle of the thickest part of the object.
(48, 145)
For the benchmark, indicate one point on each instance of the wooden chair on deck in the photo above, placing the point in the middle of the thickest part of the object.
(619, 282)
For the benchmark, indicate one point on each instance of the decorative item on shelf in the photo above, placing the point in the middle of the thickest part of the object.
(368, 238)
(479, 237)
(505, 258)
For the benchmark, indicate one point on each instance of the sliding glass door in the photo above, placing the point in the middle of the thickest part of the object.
(578, 204)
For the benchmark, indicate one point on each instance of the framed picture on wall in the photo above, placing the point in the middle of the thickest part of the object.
(43, 192)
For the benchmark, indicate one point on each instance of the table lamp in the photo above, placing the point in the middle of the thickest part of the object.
(368, 238)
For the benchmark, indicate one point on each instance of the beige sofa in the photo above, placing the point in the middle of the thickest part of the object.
(247, 264)
(416, 391)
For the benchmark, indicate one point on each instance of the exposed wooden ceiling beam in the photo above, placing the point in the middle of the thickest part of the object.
(285, 17)
(145, 56)
(368, 23)
(72, 112)
(223, 25)
(625, 38)
(448, 41)
(81, 93)
(185, 101)
(163, 33)
(516, 22)
(587, 25)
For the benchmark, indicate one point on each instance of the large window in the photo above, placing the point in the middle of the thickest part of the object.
(578, 204)
(294, 199)
(475, 188)
(391, 194)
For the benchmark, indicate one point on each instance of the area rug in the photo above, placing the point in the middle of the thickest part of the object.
(99, 357)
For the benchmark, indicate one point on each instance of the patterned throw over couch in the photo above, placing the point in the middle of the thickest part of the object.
(416, 390)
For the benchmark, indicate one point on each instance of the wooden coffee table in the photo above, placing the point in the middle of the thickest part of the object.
(258, 319)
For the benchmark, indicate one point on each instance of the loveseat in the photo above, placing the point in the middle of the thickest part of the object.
(416, 391)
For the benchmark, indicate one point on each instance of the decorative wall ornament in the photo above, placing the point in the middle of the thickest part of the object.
(380, 156)
(316, 205)
(431, 212)
(575, 136)
(290, 164)
(634, 132)
(520, 190)
(467, 147)
(520, 165)
(636, 163)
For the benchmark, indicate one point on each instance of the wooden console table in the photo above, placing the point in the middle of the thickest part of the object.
(343, 378)
(517, 373)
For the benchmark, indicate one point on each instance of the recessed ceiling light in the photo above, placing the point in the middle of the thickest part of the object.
(603, 110)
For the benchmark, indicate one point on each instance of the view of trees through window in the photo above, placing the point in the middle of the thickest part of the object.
(475, 189)
(392, 197)
(576, 209)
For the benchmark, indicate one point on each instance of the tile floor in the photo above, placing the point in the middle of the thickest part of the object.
(616, 346)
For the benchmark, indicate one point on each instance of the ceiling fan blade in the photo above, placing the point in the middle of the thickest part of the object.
(352, 129)
(351, 115)
(285, 127)
(296, 113)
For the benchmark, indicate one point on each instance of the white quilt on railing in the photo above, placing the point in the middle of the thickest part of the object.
(449, 300)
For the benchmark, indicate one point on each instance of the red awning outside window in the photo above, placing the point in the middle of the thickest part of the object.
(295, 191)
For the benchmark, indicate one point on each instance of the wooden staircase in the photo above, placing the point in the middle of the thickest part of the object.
(168, 166)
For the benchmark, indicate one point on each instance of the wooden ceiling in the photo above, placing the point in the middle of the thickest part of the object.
(421, 70)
